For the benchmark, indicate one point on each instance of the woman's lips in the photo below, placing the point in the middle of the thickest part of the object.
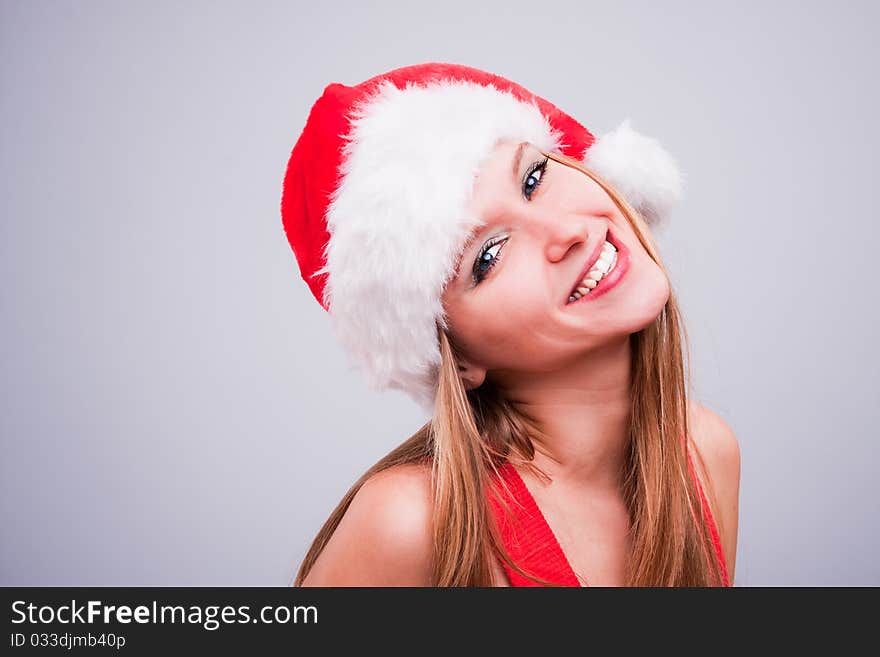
(608, 282)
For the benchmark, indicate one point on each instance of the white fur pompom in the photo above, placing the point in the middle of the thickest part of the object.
(639, 168)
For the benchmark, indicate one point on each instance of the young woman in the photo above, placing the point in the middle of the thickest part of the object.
(481, 250)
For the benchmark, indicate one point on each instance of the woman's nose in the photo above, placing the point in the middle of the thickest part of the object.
(563, 233)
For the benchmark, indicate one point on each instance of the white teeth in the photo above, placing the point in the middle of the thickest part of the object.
(611, 263)
(601, 268)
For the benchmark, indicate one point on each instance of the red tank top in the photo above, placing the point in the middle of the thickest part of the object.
(532, 545)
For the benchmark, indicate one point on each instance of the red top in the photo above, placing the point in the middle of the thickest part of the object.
(532, 545)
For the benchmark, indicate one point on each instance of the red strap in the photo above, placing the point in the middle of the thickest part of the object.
(527, 537)
(716, 539)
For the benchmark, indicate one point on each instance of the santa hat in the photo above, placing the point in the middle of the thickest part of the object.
(376, 189)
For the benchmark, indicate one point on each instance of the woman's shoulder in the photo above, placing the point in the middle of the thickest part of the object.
(385, 537)
(719, 465)
(399, 498)
(712, 433)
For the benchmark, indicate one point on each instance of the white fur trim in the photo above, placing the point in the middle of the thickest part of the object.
(397, 218)
(639, 168)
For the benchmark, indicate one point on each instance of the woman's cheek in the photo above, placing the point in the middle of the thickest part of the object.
(496, 337)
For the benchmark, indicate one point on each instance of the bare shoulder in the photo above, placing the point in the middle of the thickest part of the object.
(719, 465)
(385, 537)
(714, 438)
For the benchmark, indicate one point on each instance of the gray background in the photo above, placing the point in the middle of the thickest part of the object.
(174, 409)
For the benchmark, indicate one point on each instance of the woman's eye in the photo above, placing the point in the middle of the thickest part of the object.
(487, 259)
(534, 178)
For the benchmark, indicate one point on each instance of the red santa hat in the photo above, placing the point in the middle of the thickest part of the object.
(374, 200)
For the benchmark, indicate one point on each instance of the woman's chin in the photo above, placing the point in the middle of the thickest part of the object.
(634, 307)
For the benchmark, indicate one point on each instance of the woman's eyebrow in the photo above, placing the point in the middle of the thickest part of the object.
(468, 245)
(517, 158)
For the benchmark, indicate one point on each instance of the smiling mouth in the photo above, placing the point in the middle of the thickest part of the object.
(598, 270)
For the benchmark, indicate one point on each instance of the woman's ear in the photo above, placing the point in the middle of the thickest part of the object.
(471, 375)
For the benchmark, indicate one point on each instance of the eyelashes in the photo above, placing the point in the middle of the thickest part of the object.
(483, 265)
(530, 174)
(478, 273)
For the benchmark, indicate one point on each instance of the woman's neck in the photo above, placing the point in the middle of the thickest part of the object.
(585, 412)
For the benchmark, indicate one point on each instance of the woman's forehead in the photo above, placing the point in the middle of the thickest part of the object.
(496, 185)
(505, 159)
(499, 176)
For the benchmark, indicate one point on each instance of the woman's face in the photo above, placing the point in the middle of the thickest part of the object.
(545, 225)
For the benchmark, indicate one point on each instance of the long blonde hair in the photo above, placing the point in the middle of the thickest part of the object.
(473, 431)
